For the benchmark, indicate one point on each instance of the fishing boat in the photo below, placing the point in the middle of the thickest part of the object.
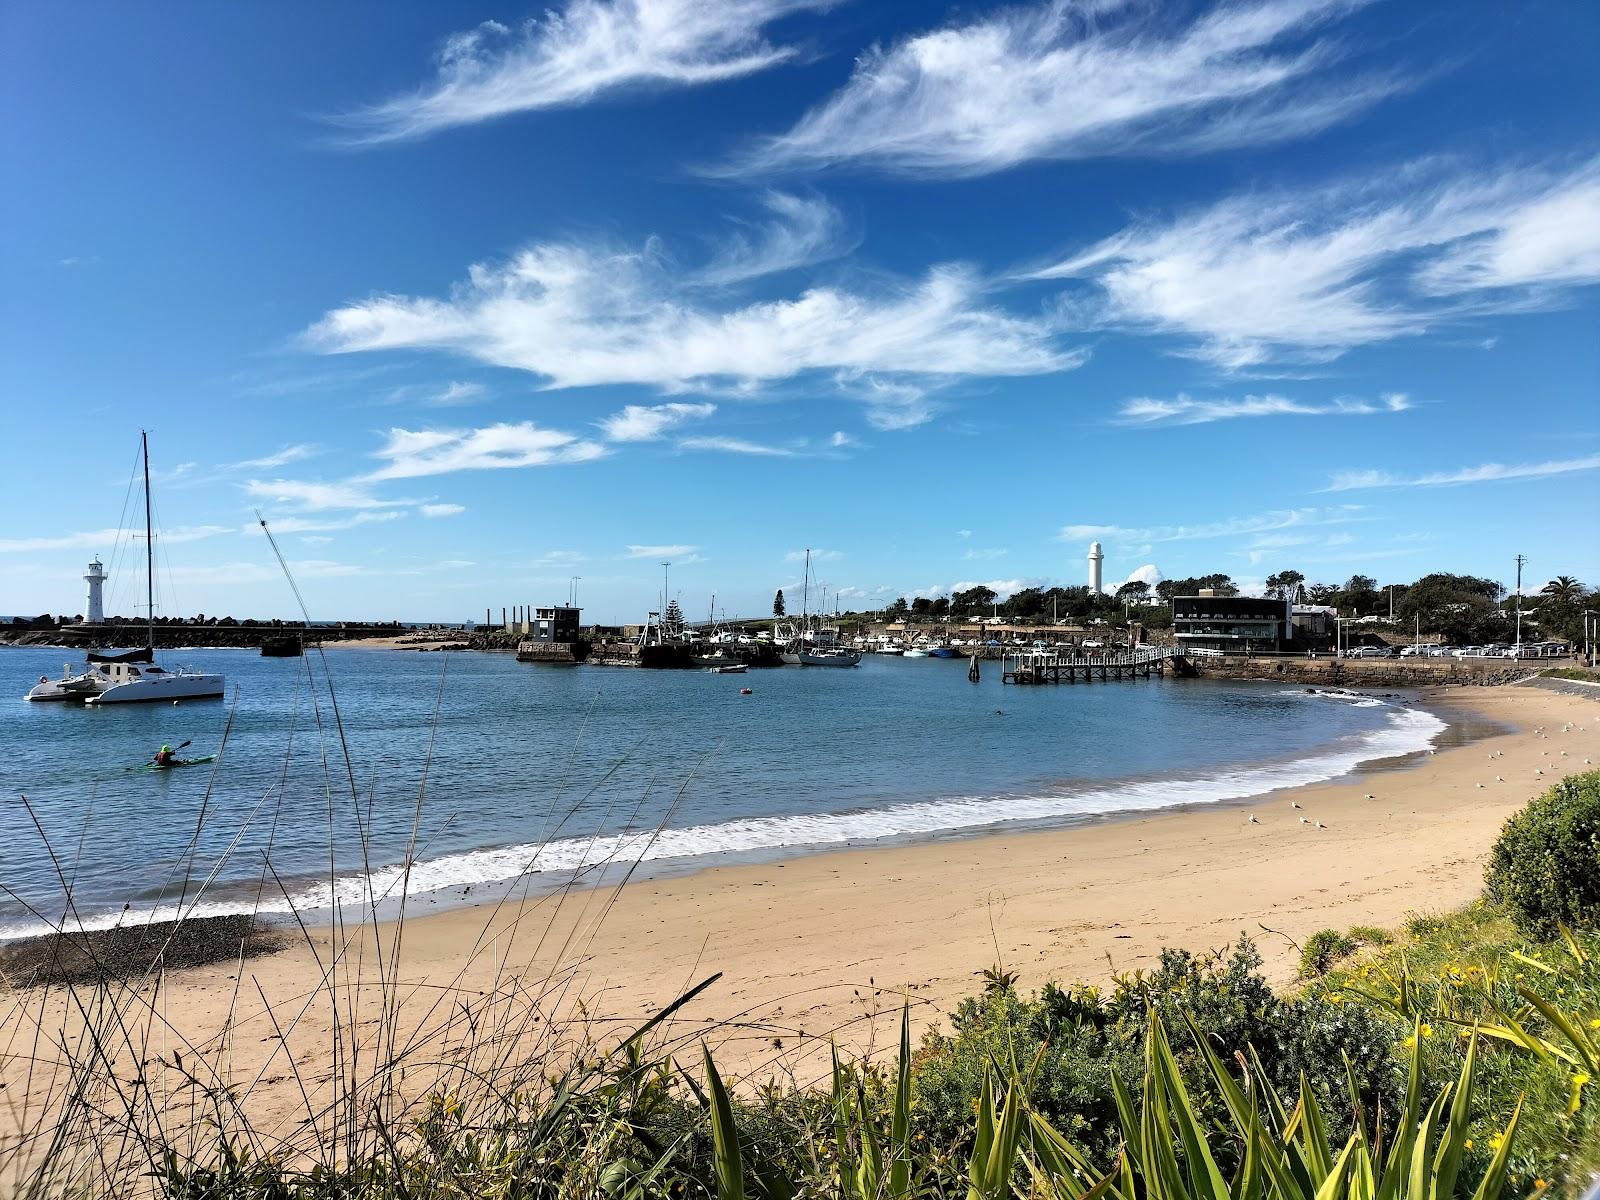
(135, 677)
(915, 652)
(942, 652)
(729, 669)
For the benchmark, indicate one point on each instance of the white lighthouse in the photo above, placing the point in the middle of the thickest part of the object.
(1096, 557)
(95, 576)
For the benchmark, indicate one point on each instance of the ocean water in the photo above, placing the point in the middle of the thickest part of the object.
(472, 771)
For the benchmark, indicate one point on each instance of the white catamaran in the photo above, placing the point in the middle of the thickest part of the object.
(134, 676)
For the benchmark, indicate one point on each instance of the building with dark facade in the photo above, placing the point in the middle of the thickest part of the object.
(1233, 624)
(556, 624)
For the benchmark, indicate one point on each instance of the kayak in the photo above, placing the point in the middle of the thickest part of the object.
(177, 762)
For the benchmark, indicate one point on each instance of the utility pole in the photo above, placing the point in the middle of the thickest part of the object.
(1521, 559)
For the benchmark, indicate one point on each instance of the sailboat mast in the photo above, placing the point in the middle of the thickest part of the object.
(149, 549)
(805, 595)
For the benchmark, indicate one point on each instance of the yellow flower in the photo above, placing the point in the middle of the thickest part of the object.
(1469, 1143)
(1427, 1031)
(1495, 1141)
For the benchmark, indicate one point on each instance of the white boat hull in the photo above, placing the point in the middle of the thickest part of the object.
(153, 688)
(69, 687)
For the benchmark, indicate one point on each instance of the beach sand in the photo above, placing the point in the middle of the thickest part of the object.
(833, 942)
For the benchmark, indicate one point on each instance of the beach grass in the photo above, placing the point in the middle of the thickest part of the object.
(1192, 1080)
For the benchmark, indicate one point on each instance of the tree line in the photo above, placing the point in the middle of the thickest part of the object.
(1460, 609)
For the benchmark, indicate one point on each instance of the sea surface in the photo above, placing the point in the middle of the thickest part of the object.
(440, 774)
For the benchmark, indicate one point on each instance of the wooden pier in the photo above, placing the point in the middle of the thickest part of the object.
(1053, 666)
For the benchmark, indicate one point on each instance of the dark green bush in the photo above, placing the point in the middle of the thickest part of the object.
(1086, 1034)
(1322, 949)
(1545, 867)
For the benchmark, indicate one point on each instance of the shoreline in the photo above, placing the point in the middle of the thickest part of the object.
(1236, 785)
(833, 943)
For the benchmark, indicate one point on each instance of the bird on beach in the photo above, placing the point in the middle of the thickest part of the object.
(1320, 825)
(1251, 817)
(1294, 804)
(1303, 821)
(1370, 796)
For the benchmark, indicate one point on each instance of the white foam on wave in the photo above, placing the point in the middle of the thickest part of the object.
(1407, 731)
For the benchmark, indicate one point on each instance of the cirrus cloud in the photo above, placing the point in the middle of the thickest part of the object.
(412, 453)
(1304, 276)
(586, 49)
(1069, 81)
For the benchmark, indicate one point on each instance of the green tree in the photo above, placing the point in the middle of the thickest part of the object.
(1360, 594)
(973, 600)
(1134, 591)
(1563, 588)
(898, 611)
(939, 608)
(777, 604)
(1286, 585)
(921, 606)
(1458, 607)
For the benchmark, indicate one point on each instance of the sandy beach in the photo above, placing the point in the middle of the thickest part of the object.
(832, 942)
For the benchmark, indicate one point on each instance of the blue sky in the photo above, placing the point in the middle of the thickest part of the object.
(472, 299)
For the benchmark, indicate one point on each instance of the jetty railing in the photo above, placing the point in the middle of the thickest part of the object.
(1055, 666)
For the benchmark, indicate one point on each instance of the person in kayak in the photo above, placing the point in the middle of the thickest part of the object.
(164, 757)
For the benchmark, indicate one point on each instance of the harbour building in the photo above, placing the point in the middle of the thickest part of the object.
(1232, 624)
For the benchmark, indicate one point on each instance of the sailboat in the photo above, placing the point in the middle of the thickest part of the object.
(73, 685)
(134, 677)
(815, 648)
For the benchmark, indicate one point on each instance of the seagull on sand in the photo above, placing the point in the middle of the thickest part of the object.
(1320, 825)
(1251, 817)
(1294, 804)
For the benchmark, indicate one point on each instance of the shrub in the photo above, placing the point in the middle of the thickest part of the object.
(1545, 867)
(1322, 949)
(1087, 1033)
(1370, 935)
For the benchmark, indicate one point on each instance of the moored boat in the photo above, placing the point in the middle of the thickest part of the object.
(73, 685)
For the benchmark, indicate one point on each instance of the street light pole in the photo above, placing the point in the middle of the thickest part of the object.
(1521, 559)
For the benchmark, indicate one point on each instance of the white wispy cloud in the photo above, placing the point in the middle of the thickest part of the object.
(1260, 523)
(456, 393)
(647, 422)
(1061, 80)
(581, 316)
(795, 556)
(1346, 481)
(370, 516)
(800, 231)
(442, 510)
(733, 445)
(104, 539)
(583, 50)
(842, 440)
(314, 496)
(673, 551)
(990, 553)
(1304, 276)
(892, 404)
(1185, 410)
(417, 452)
(281, 458)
